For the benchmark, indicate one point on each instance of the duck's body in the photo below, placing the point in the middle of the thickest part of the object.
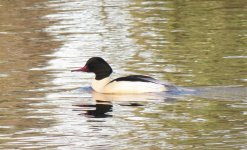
(129, 84)
(107, 85)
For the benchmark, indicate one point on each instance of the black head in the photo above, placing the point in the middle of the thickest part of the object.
(98, 66)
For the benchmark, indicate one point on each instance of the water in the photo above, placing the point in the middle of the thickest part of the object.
(198, 45)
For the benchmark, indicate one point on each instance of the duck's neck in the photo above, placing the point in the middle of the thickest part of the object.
(98, 85)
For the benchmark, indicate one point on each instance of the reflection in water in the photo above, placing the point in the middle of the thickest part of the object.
(188, 43)
(223, 93)
(23, 112)
(104, 101)
(99, 110)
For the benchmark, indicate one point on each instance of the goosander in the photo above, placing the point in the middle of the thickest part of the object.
(129, 84)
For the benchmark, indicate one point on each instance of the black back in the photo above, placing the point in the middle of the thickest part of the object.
(135, 78)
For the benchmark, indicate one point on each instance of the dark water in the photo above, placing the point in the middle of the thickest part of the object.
(198, 45)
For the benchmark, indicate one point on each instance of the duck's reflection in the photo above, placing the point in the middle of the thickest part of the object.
(98, 110)
(104, 102)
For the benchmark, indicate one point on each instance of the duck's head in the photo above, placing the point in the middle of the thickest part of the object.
(98, 66)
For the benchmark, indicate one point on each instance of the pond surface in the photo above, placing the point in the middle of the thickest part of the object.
(197, 45)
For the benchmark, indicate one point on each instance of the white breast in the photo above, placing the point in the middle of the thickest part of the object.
(98, 85)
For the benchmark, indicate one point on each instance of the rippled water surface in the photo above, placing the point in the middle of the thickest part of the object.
(197, 45)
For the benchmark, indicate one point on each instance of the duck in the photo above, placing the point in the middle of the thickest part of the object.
(103, 83)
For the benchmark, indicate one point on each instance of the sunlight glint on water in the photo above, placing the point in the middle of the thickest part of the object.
(196, 44)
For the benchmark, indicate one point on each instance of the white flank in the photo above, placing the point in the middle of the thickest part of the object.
(102, 86)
